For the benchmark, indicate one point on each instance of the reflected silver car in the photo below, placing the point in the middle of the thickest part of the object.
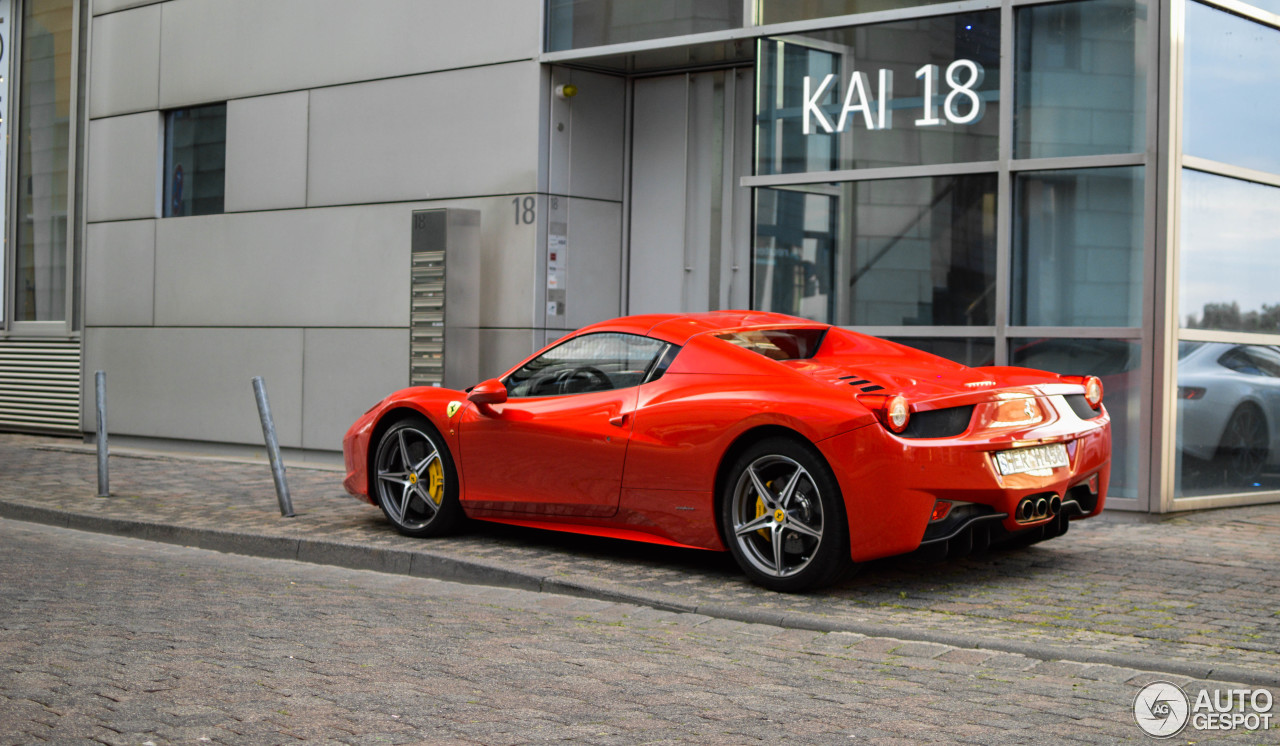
(1229, 407)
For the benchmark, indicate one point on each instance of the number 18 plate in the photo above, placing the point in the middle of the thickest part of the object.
(1023, 460)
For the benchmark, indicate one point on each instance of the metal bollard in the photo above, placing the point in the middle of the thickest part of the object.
(273, 447)
(104, 478)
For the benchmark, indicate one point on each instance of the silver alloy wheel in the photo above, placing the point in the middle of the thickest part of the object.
(411, 478)
(777, 516)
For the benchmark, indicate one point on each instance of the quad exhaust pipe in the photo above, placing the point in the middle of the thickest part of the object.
(1038, 508)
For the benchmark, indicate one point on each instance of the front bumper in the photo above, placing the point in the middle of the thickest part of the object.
(355, 449)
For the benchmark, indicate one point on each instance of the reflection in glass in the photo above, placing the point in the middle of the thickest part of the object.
(1081, 79)
(852, 71)
(1228, 418)
(1230, 254)
(1117, 362)
(964, 350)
(885, 252)
(44, 122)
(781, 11)
(195, 157)
(1077, 248)
(1229, 109)
(573, 24)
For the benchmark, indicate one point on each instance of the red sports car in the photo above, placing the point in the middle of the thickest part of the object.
(799, 447)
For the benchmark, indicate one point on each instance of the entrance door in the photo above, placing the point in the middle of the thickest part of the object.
(690, 240)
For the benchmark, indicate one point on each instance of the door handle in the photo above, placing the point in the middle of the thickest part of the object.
(619, 420)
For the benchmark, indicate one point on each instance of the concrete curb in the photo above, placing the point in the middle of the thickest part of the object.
(427, 564)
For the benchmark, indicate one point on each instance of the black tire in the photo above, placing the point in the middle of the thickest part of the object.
(416, 488)
(809, 547)
(1244, 447)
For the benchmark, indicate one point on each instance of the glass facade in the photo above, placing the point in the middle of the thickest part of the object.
(781, 11)
(1077, 247)
(44, 140)
(893, 94)
(907, 183)
(1228, 418)
(964, 350)
(1229, 267)
(915, 252)
(195, 155)
(1082, 79)
(1229, 66)
(1227, 412)
(573, 24)
(917, 256)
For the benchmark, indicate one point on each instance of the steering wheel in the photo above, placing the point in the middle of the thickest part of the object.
(596, 379)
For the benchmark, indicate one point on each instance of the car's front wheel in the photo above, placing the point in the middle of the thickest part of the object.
(783, 517)
(415, 481)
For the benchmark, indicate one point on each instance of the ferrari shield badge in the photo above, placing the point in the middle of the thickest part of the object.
(453, 408)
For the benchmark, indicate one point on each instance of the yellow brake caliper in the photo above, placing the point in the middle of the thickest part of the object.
(435, 481)
(761, 511)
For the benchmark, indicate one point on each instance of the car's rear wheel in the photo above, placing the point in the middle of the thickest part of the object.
(783, 517)
(1243, 450)
(415, 481)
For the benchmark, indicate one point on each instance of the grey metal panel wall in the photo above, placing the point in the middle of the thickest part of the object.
(120, 262)
(344, 372)
(587, 136)
(594, 261)
(125, 62)
(195, 384)
(40, 385)
(337, 267)
(426, 136)
(267, 152)
(214, 50)
(304, 279)
(110, 6)
(124, 169)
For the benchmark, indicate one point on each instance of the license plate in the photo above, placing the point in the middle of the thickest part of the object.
(1023, 460)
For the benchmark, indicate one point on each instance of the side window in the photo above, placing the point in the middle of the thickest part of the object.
(593, 362)
(195, 155)
(664, 362)
(1252, 360)
(1266, 360)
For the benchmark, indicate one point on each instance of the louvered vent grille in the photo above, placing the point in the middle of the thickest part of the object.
(40, 385)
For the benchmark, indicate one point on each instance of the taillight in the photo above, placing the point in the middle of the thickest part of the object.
(1093, 391)
(1190, 392)
(897, 413)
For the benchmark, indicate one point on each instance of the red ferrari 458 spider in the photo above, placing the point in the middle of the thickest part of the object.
(799, 447)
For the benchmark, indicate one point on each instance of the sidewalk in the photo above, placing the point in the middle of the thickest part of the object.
(1196, 595)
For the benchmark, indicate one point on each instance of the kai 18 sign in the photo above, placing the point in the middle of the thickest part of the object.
(959, 103)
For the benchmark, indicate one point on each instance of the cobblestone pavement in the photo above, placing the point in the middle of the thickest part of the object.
(118, 641)
(1199, 590)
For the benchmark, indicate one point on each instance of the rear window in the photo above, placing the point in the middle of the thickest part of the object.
(778, 344)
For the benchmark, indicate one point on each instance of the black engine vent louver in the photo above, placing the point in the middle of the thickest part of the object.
(863, 384)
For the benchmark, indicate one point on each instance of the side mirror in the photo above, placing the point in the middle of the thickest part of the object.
(489, 392)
